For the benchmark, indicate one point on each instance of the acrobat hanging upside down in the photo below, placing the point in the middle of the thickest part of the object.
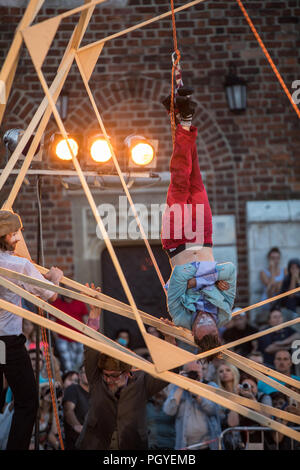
(201, 292)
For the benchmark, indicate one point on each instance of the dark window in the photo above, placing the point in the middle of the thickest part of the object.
(143, 283)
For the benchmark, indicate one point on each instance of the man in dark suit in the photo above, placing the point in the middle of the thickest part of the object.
(117, 417)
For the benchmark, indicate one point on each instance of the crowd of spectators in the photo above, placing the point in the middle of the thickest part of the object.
(175, 418)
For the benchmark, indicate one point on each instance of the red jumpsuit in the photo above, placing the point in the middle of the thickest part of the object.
(187, 218)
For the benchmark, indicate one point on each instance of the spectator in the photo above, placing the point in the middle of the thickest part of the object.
(209, 370)
(70, 352)
(27, 329)
(43, 374)
(239, 330)
(283, 364)
(48, 435)
(256, 356)
(228, 378)
(274, 440)
(161, 427)
(197, 419)
(123, 337)
(278, 340)
(291, 281)
(42, 367)
(272, 277)
(69, 378)
(75, 404)
(248, 389)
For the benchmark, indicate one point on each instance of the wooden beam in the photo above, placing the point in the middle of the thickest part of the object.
(11, 61)
(94, 208)
(266, 370)
(59, 80)
(255, 405)
(259, 375)
(47, 307)
(102, 301)
(171, 377)
(44, 111)
(141, 25)
(119, 171)
(267, 301)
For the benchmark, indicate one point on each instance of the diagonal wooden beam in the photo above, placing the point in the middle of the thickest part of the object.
(44, 107)
(255, 405)
(267, 301)
(141, 25)
(117, 166)
(57, 313)
(170, 377)
(91, 202)
(266, 370)
(100, 337)
(249, 370)
(11, 61)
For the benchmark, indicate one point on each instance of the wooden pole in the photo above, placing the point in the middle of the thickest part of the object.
(116, 163)
(241, 365)
(11, 61)
(266, 370)
(141, 25)
(255, 405)
(44, 107)
(176, 379)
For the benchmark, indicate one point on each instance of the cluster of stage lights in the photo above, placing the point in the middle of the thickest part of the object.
(141, 152)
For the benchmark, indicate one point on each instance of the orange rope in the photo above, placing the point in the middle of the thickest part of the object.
(172, 114)
(50, 378)
(275, 70)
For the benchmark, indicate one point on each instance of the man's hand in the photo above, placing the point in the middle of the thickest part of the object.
(168, 338)
(222, 285)
(94, 311)
(246, 393)
(54, 275)
(78, 428)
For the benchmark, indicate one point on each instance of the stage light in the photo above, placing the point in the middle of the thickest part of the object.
(100, 151)
(62, 150)
(142, 152)
(12, 138)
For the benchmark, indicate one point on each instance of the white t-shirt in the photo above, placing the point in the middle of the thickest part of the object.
(11, 324)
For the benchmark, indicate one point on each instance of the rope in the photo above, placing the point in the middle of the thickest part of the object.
(49, 362)
(50, 377)
(275, 70)
(175, 69)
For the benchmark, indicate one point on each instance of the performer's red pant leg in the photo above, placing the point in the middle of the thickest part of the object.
(186, 187)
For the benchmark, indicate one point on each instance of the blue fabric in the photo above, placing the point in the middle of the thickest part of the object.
(188, 405)
(183, 302)
(267, 389)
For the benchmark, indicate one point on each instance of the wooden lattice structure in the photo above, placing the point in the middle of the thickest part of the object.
(165, 356)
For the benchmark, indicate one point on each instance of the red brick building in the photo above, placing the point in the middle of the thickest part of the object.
(251, 156)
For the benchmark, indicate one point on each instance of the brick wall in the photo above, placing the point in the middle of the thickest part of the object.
(252, 156)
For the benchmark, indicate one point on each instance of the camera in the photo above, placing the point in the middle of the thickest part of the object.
(245, 386)
(193, 374)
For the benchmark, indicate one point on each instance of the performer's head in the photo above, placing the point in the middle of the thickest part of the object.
(10, 230)
(205, 333)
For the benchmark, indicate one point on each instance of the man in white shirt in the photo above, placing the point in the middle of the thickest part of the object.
(17, 368)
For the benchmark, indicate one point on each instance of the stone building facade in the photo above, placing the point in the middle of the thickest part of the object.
(252, 157)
